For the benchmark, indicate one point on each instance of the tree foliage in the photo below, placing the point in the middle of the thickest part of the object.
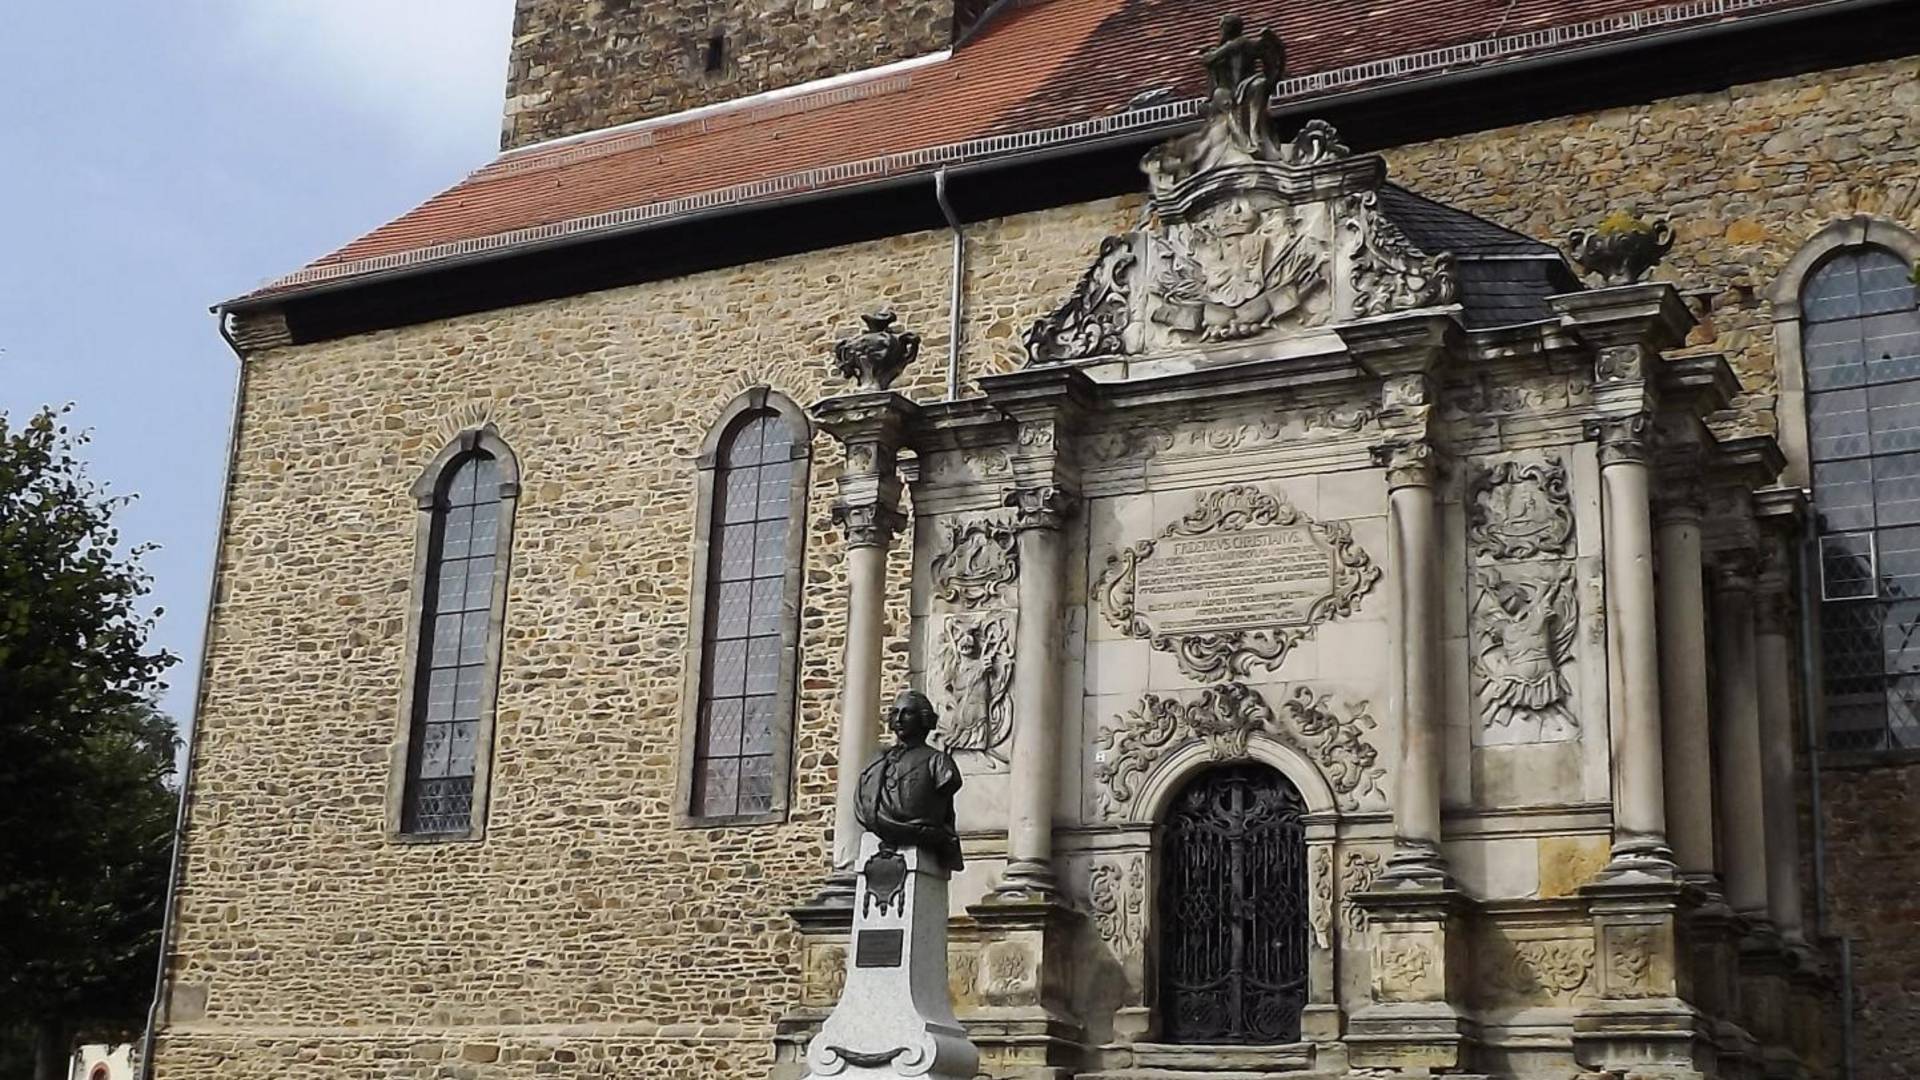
(87, 813)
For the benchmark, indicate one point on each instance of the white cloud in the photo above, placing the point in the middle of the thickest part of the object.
(434, 69)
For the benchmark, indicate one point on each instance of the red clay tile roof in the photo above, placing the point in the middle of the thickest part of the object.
(1046, 72)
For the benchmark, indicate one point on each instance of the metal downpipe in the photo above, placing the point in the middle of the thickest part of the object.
(956, 323)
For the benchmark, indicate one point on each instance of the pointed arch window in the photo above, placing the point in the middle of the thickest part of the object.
(737, 724)
(442, 767)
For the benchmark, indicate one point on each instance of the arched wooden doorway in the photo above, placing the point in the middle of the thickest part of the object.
(1233, 909)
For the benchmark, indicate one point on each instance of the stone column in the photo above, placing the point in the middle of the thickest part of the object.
(1774, 654)
(871, 426)
(1686, 734)
(1413, 521)
(1037, 663)
(1633, 647)
(1743, 841)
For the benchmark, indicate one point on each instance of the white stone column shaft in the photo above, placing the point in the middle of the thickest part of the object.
(1687, 739)
(859, 691)
(1633, 646)
(1775, 656)
(1743, 842)
(1036, 691)
(1413, 521)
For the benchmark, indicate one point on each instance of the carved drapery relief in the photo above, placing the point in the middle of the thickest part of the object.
(1235, 584)
(1117, 898)
(1520, 510)
(1359, 869)
(1320, 897)
(1525, 620)
(981, 558)
(1224, 718)
(976, 676)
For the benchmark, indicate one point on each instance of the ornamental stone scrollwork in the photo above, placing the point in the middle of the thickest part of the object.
(1009, 976)
(1623, 439)
(1620, 363)
(874, 358)
(1387, 272)
(1520, 510)
(1359, 869)
(963, 976)
(1404, 970)
(1246, 236)
(1094, 321)
(1621, 249)
(1629, 962)
(1544, 971)
(870, 525)
(981, 558)
(1117, 898)
(1320, 903)
(1235, 584)
(825, 975)
(1224, 718)
(976, 673)
(1523, 633)
(1042, 507)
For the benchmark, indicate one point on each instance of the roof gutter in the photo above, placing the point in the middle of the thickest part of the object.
(1141, 135)
(171, 903)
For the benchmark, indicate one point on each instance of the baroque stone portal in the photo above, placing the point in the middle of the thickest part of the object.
(1235, 584)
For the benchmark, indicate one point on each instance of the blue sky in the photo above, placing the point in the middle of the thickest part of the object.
(158, 158)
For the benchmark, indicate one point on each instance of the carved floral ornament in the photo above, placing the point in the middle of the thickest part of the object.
(1235, 584)
(1117, 898)
(1552, 970)
(1247, 235)
(1225, 718)
(1520, 510)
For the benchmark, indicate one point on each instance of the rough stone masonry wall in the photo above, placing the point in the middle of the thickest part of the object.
(577, 66)
(585, 934)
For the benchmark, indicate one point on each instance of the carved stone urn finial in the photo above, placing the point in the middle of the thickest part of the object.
(1621, 249)
(875, 358)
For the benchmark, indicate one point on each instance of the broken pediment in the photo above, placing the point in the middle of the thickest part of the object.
(1248, 237)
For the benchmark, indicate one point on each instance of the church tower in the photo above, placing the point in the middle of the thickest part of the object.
(581, 65)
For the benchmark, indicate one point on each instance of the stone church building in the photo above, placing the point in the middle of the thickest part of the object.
(1404, 511)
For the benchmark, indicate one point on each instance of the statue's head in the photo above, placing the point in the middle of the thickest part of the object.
(912, 717)
(1231, 27)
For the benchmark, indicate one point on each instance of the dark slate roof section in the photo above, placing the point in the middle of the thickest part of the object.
(1505, 277)
(1435, 227)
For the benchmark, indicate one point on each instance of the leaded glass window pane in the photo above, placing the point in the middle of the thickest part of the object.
(456, 622)
(1861, 343)
(743, 641)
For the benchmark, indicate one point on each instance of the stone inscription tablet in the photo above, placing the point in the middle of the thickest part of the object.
(1234, 584)
(1252, 578)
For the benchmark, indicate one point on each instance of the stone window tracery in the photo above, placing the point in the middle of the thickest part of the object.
(466, 499)
(1860, 351)
(736, 740)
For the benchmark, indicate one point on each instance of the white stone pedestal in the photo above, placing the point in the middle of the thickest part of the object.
(894, 1017)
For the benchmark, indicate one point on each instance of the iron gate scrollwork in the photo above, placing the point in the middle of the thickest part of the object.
(1233, 907)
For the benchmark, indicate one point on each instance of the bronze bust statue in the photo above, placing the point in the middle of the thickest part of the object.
(906, 793)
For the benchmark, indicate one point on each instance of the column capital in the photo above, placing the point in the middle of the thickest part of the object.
(1409, 463)
(868, 524)
(1624, 440)
(1681, 497)
(1045, 507)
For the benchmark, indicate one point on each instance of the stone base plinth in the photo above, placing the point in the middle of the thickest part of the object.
(1417, 1017)
(1016, 997)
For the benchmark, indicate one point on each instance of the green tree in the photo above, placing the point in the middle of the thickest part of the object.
(85, 758)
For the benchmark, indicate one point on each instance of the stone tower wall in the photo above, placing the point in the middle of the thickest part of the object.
(577, 66)
(587, 935)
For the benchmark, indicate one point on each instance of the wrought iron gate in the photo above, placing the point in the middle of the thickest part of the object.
(1233, 909)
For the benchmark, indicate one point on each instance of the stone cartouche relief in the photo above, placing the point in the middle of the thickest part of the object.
(1525, 619)
(1235, 584)
(1224, 718)
(979, 559)
(1520, 510)
(1359, 869)
(1117, 899)
(976, 679)
(1320, 902)
(1538, 971)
